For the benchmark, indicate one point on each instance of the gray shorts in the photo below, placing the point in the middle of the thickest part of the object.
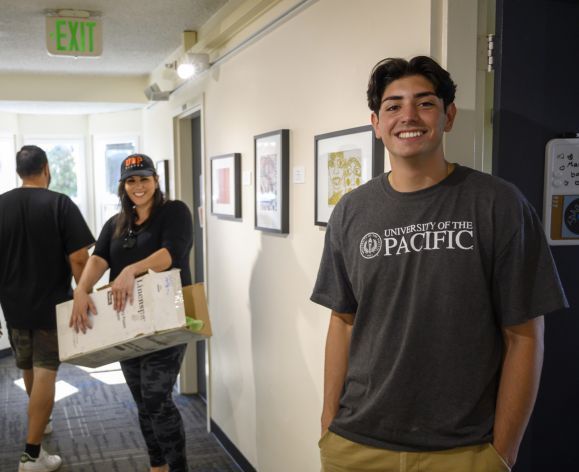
(34, 348)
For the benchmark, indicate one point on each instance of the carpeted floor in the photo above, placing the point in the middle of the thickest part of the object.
(95, 424)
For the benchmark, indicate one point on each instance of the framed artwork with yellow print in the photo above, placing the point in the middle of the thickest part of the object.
(344, 160)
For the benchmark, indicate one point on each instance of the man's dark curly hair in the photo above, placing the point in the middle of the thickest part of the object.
(394, 68)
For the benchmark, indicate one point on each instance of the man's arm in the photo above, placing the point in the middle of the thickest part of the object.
(78, 260)
(519, 383)
(336, 364)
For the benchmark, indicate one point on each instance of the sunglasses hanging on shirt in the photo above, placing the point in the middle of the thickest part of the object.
(130, 240)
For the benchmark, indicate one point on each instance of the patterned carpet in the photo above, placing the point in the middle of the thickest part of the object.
(95, 424)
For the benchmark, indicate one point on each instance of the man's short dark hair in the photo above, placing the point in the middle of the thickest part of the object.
(30, 160)
(393, 68)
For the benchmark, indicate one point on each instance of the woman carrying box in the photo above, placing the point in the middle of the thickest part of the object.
(149, 232)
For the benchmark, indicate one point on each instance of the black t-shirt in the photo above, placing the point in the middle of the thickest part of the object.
(38, 230)
(432, 276)
(170, 227)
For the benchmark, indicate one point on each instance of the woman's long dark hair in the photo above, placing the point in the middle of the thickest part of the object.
(127, 215)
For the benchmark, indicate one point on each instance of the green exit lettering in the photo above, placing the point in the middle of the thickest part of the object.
(75, 35)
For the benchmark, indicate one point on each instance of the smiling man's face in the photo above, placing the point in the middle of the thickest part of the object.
(412, 120)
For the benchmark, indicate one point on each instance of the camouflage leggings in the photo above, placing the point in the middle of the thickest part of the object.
(151, 379)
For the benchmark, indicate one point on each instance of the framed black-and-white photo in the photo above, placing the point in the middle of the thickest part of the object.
(272, 181)
(162, 168)
(344, 160)
(226, 185)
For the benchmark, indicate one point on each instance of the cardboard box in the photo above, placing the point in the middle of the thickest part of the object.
(155, 321)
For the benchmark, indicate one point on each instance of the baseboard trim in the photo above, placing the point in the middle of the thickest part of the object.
(235, 454)
(5, 352)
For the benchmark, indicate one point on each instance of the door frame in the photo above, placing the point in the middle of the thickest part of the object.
(182, 172)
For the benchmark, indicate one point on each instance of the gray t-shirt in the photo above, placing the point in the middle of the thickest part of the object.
(431, 277)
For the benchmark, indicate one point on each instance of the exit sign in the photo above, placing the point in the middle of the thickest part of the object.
(77, 37)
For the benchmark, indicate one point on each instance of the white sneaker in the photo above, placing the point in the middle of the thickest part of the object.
(43, 463)
(48, 428)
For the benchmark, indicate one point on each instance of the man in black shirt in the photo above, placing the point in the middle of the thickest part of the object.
(44, 241)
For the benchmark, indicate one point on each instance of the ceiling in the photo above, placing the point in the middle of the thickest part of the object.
(138, 35)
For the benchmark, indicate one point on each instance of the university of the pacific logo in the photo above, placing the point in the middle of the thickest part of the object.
(430, 236)
(370, 245)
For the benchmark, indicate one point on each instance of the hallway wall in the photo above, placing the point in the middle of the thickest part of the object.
(267, 356)
(72, 88)
(309, 75)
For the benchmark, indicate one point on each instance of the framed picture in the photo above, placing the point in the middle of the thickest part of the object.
(226, 185)
(162, 168)
(344, 160)
(272, 181)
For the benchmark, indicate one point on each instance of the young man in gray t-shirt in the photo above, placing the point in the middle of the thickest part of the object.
(437, 277)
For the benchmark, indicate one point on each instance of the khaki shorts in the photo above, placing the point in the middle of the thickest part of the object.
(339, 454)
(34, 348)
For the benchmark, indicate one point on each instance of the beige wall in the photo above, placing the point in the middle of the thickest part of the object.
(117, 123)
(158, 135)
(8, 123)
(309, 75)
(53, 125)
(72, 88)
(84, 126)
(68, 125)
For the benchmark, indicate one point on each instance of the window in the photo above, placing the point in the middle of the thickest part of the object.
(67, 168)
(8, 181)
(109, 152)
(8, 177)
(63, 170)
